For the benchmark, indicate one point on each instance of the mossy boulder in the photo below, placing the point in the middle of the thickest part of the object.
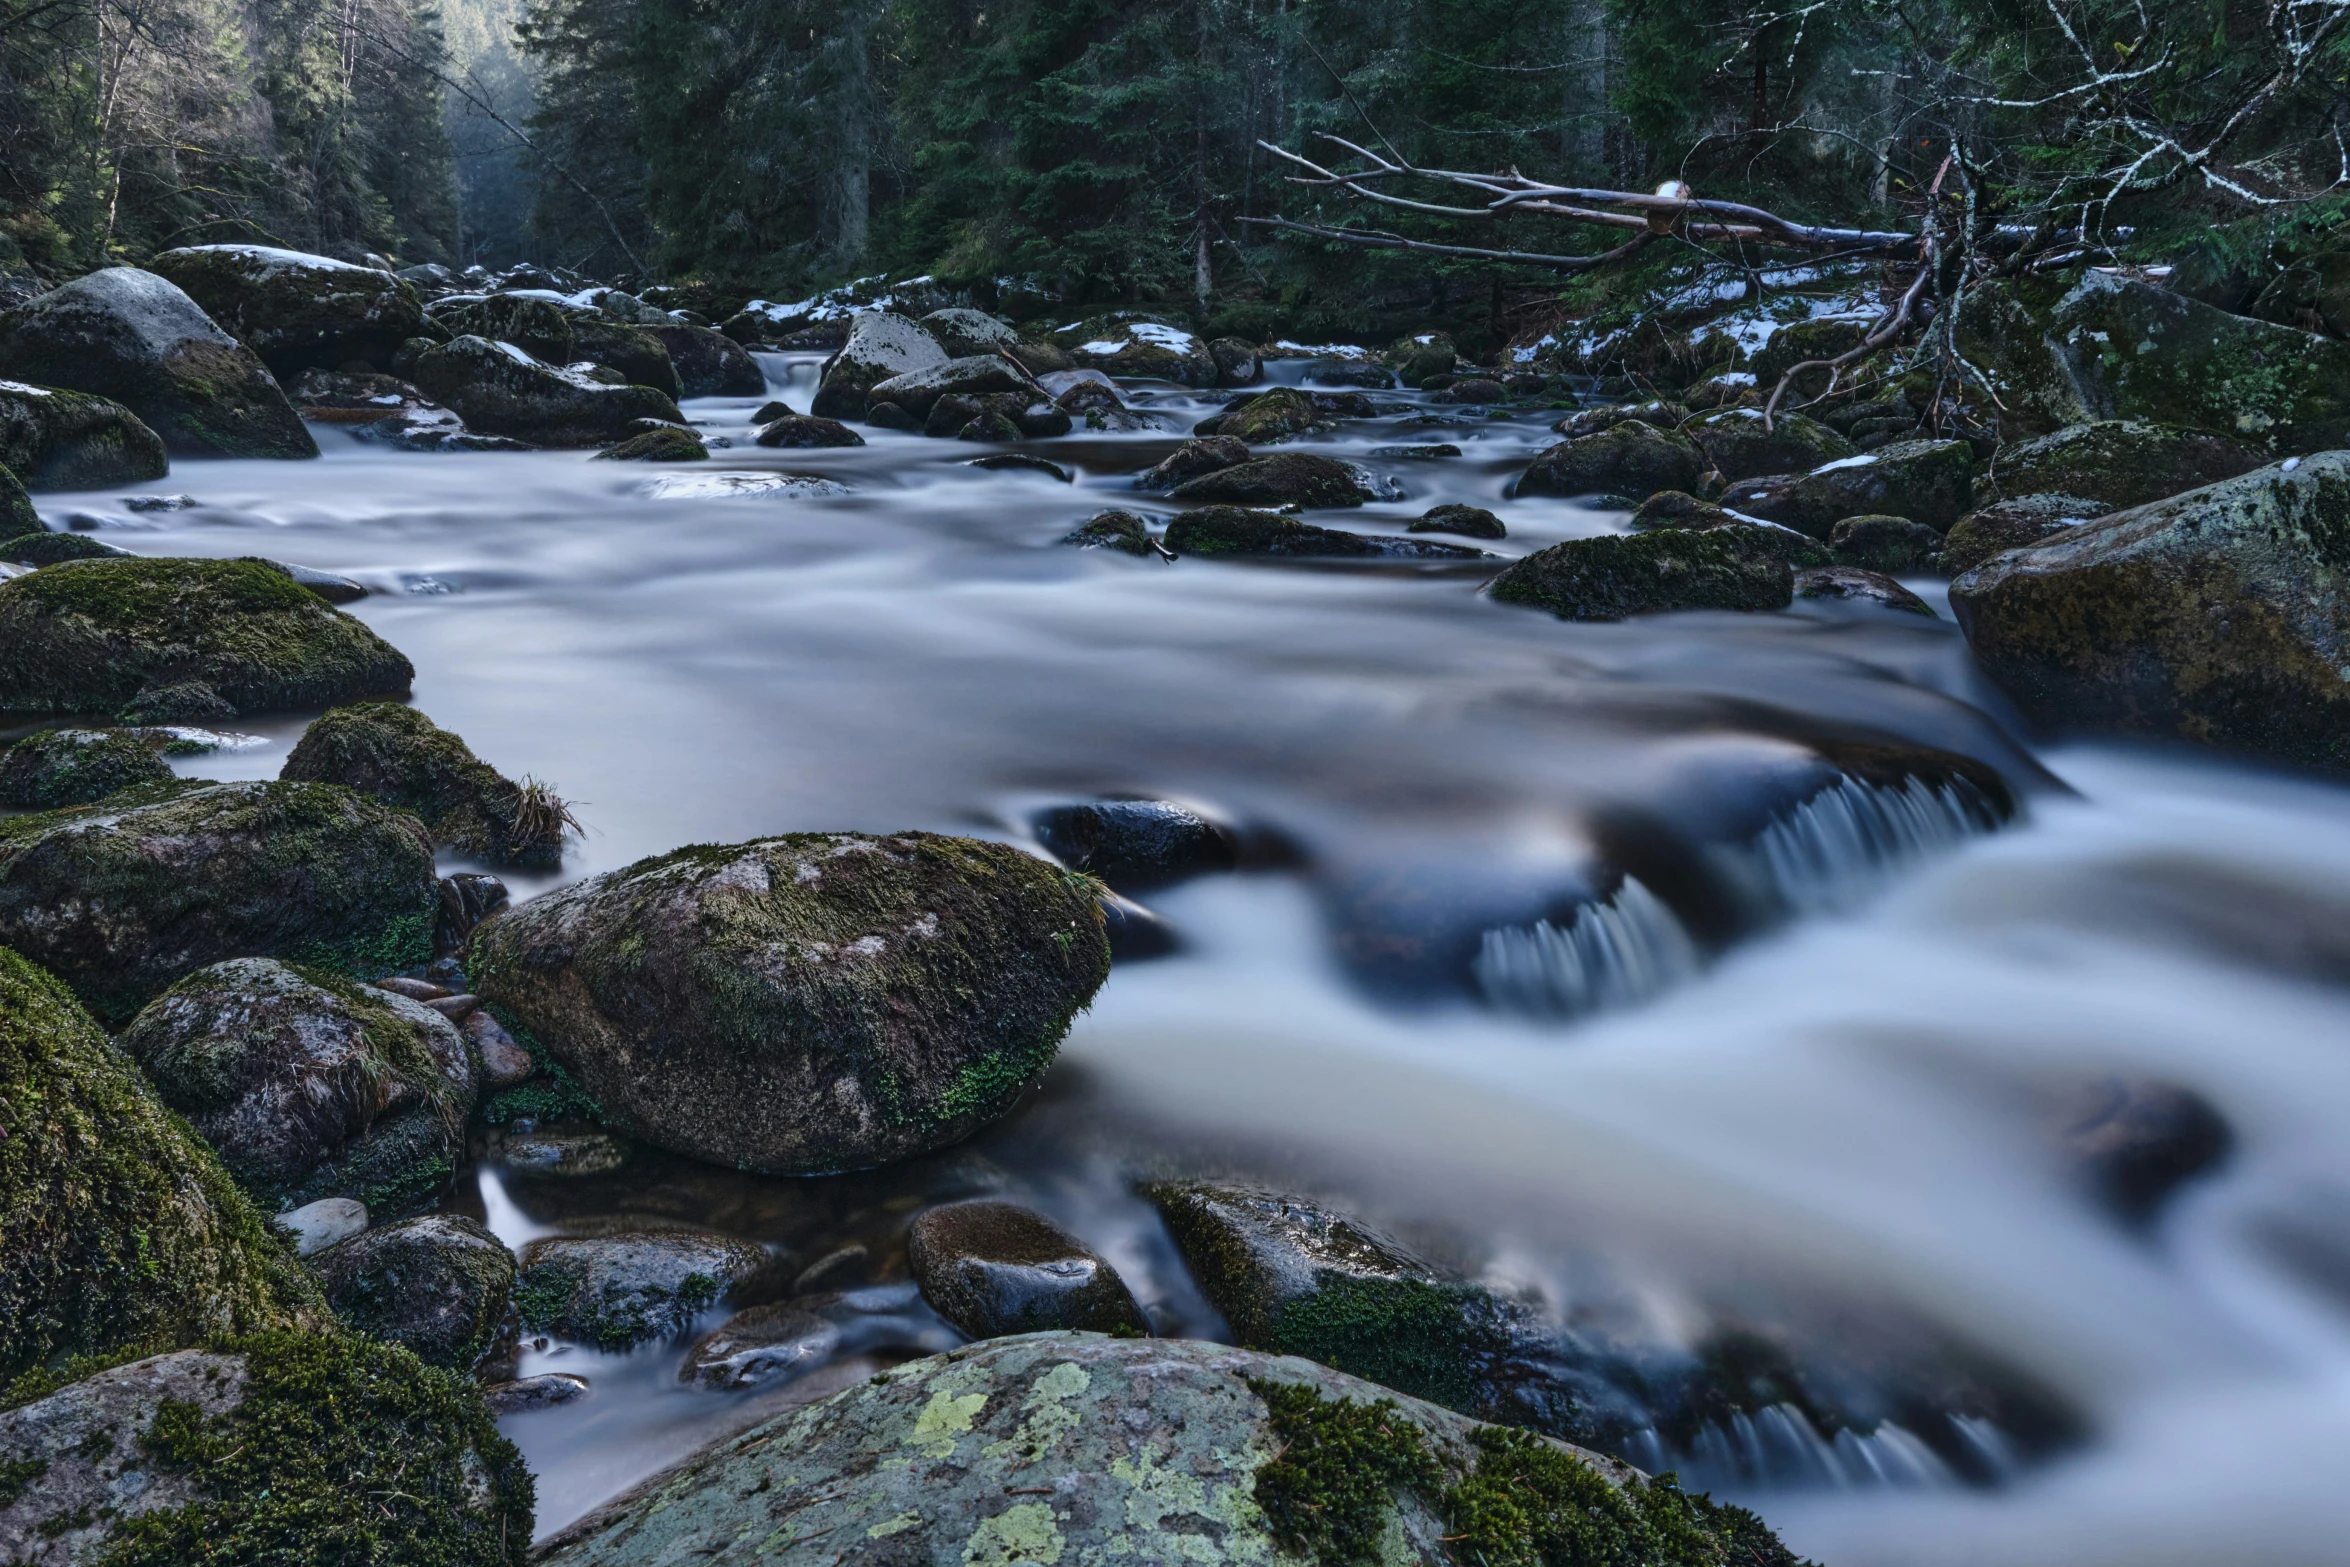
(1127, 532)
(43, 548)
(1203, 455)
(1856, 585)
(1470, 522)
(437, 1286)
(1076, 1447)
(662, 443)
(1739, 447)
(1801, 342)
(295, 1448)
(57, 767)
(2010, 525)
(1885, 544)
(1591, 421)
(91, 635)
(617, 1291)
(541, 328)
(974, 376)
(1130, 343)
(1270, 416)
(53, 439)
(500, 388)
(964, 332)
(123, 898)
(995, 1268)
(297, 312)
(819, 1001)
(2118, 463)
(133, 337)
(1236, 530)
(2033, 383)
(708, 362)
(1630, 458)
(1416, 359)
(118, 1228)
(2313, 293)
(403, 758)
(1931, 482)
(1285, 479)
(309, 1086)
(880, 345)
(634, 351)
(802, 431)
(1615, 576)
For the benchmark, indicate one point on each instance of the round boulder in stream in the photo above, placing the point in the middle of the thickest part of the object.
(57, 440)
(436, 1286)
(298, 312)
(75, 766)
(1136, 845)
(614, 1291)
(399, 756)
(1631, 458)
(499, 388)
(995, 1268)
(1616, 576)
(880, 346)
(1206, 454)
(1237, 530)
(814, 1002)
(1285, 479)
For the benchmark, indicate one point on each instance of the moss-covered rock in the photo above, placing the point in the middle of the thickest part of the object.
(541, 328)
(310, 1086)
(1616, 576)
(2313, 293)
(297, 1448)
(616, 1291)
(75, 766)
(1206, 454)
(995, 1268)
(1285, 479)
(663, 443)
(1470, 522)
(1926, 481)
(880, 345)
(1738, 446)
(500, 388)
(2010, 525)
(90, 635)
(1130, 343)
(1631, 458)
(118, 1228)
(2012, 348)
(2118, 463)
(1591, 421)
(1236, 530)
(43, 548)
(708, 362)
(297, 312)
(1269, 416)
(53, 439)
(975, 376)
(632, 350)
(1885, 544)
(1416, 359)
(123, 898)
(437, 1286)
(2218, 616)
(1802, 342)
(1855, 585)
(131, 336)
(801, 431)
(403, 758)
(819, 1001)
(1679, 509)
(1127, 532)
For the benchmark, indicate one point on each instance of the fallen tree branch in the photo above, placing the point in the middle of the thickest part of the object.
(1379, 240)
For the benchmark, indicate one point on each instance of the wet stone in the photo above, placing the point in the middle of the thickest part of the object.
(502, 1059)
(525, 1394)
(437, 1286)
(613, 1291)
(1124, 531)
(995, 1268)
(1018, 462)
(801, 431)
(1888, 544)
(1204, 455)
(1470, 522)
(1236, 530)
(561, 1153)
(2134, 1141)
(1136, 845)
(1851, 585)
(327, 1222)
(768, 1345)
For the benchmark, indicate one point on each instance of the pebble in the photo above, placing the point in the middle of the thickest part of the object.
(503, 1061)
(413, 989)
(993, 1268)
(455, 1008)
(525, 1394)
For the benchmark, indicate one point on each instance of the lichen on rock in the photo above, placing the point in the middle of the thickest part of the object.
(1615, 576)
(54, 767)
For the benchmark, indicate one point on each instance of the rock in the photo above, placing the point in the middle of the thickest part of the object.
(1424, 453)
(1416, 359)
(1126, 343)
(1237, 361)
(1737, 445)
(502, 1060)
(800, 431)
(59, 440)
(768, 1345)
(663, 443)
(991, 425)
(309, 1086)
(1022, 462)
(2216, 616)
(17, 517)
(1287, 479)
(266, 1448)
(880, 346)
(399, 756)
(1474, 389)
(435, 1286)
(559, 1153)
(1207, 454)
(708, 362)
(317, 1225)
(918, 391)
(430, 274)
(1803, 341)
(819, 1001)
(1613, 577)
(182, 702)
(2118, 463)
(1851, 584)
(1123, 531)
(499, 388)
(133, 337)
(1888, 544)
(1269, 416)
(1679, 509)
(2134, 1141)
(430, 428)
(614, 1291)
(966, 333)
(526, 1394)
(1631, 458)
(2012, 524)
(57, 767)
(124, 898)
(118, 1227)
(1926, 481)
(1235, 530)
(43, 548)
(297, 312)
(1470, 522)
(1665, 416)
(1070, 1447)
(995, 1268)
(1731, 389)
(640, 356)
(325, 584)
(1137, 845)
(541, 328)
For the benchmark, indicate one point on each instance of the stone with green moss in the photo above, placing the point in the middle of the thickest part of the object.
(499, 388)
(300, 1449)
(1889, 544)
(1129, 533)
(1929, 482)
(1270, 416)
(1616, 576)
(403, 758)
(1133, 343)
(309, 1085)
(1078, 1447)
(1803, 342)
(1631, 458)
(2118, 463)
(123, 897)
(819, 1001)
(2012, 524)
(617, 1291)
(1238, 530)
(2218, 616)
(53, 439)
(541, 328)
(1415, 359)
(879, 346)
(90, 635)
(437, 1286)
(1284, 479)
(2012, 352)
(119, 1229)
(662, 444)
(632, 350)
(57, 767)
(17, 517)
(297, 311)
(43, 548)
(1739, 445)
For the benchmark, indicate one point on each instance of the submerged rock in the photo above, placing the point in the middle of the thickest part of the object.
(2012, 524)
(1137, 845)
(1236, 530)
(995, 1268)
(1203, 455)
(525, 1394)
(2118, 463)
(1885, 544)
(500, 388)
(1286, 479)
(800, 431)
(435, 1286)
(614, 1291)
(1470, 522)
(1612, 577)
(1926, 481)
(1124, 531)
(397, 755)
(310, 1086)
(781, 1342)
(75, 766)
(1738, 446)
(1853, 585)
(297, 312)
(663, 443)
(879, 346)
(58, 440)
(819, 1001)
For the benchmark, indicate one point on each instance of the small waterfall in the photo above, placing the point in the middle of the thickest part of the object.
(1779, 1446)
(1844, 844)
(1609, 955)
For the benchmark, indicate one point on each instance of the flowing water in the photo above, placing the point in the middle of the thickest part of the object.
(1562, 949)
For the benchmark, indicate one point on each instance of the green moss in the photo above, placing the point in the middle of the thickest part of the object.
(1331, 1489)
(542, 1295)
(16, 1476)
(1408, 1334)
(74, 767)
(172, 597)
(403, 758)
(1613, 577)
(553, 1095)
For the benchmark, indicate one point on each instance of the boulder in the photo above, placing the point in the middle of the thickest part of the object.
(297, 312)
(315, 1226)
(1803, 341)
(1206, 454)
(1416, 359)
(1926, 481)
(767, 1345)
(2312, 293)
(131, 336)
(1269, 416)
(281, 1447)
(1614, 576)
(804, 431)
(1853, 585)
(123, 898)
(91, 635)
(310, 1086)
(2118, 463)
(1073, 1447)
(819, 1001)
(1738, 446)
(325, 584)
(1238, 362)
(1236, 530)
(615, 1291)
(43, 548)
(2216, 616)
(541, 328)
(1129, 344)
(1286, 479)
(436, 1286)
(118, 1227)
(880, 346)
(636, 352)
(708, 362)
(918, 391)
(964, 333)
(662, 443)
(1891, 544)
(57, 767)
(2009, 525)
(1123, 531)
(1632, 458)
(1136, 845)
(525, 1394)
(58, 440)
(1476, 390)
(1470, 522)
(499, 388)
(403, 758)
(1679, 509)
(2032, 381)
(995, 1268)
(2134, 1141)
(17, 517)
(1591, 421)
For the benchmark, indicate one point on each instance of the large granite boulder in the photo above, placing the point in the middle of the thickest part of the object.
(539, 326)
(1615, 576)
(880, 346)
(819, 1001)
(437, 1286)
(636, 352)
(134, 337)
(499, 388)
(58, 440)
(1270, 416)
(1930, 482)
(1633, 459)
(2118, 463)
(1740, 447)
(709, 363)
(918, 391)
(963, 332)
(298, 312)
(1285, 479)
(403, 758)
(1128, 343)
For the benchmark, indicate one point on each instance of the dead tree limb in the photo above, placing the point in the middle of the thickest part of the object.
(1379, 240)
